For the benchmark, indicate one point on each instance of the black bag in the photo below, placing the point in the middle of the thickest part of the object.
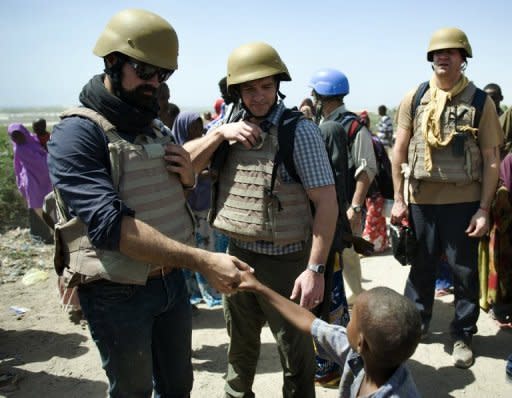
(502, 312)
(383, 181)
(403, 242)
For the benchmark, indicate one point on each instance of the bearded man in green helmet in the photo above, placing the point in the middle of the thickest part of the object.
(447, 142)
(270, 225)
(123, 223)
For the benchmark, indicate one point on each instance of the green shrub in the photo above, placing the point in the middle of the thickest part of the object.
(13, 208)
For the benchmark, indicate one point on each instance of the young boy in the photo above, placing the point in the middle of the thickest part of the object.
(383, 332)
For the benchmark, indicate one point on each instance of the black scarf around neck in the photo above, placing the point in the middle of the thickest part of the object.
(125, 117)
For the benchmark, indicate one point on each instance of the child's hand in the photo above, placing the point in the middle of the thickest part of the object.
(249, 281)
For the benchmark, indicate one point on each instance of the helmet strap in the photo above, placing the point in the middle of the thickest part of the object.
(279, 93)
(319, 107)
(113, 70)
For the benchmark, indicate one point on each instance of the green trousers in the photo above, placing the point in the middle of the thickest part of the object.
(246, 313)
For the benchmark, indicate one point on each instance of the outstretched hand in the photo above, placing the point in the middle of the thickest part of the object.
(223, 272)
(249, 282)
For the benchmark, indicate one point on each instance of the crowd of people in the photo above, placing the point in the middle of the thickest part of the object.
(160, 209)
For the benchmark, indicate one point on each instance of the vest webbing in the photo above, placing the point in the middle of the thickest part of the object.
(143, 183)
(248, 210)
(447, 166)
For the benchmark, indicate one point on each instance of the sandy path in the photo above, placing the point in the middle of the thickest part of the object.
(56, 358)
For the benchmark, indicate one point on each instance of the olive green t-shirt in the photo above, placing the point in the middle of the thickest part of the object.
(490, 135)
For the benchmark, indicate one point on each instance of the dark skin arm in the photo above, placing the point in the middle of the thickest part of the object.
(298, 316)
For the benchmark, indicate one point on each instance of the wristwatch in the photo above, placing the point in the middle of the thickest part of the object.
(318, 268)
(356, 208)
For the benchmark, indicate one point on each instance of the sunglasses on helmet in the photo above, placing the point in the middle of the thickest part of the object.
(146, 72)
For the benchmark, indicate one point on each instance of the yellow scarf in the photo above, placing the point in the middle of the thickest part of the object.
(431, 121)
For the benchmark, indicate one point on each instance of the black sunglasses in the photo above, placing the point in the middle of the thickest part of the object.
(146, 72)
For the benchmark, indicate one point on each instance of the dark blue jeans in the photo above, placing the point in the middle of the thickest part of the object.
(143, 334)
(440, 230)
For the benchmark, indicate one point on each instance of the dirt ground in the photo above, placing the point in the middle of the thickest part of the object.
(55, 357)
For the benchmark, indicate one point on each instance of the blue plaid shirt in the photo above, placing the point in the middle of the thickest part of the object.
(331, 343)
(312, 165)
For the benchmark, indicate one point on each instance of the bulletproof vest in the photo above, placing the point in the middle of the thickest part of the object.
(140, 177)
(247, 209)
(460, 161)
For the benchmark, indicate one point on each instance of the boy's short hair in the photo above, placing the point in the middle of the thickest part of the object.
(391, 325)
(382, 110)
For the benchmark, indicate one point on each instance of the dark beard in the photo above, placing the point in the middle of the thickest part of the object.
(138, 99)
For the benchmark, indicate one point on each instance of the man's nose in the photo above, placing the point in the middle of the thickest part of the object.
(154, 81)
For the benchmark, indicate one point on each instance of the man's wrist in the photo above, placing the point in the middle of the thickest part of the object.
(356, 208)
(484, 207)
(187, 187)
(317, 268)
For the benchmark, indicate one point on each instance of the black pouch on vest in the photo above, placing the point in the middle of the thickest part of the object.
(403, 243)
(458, 142)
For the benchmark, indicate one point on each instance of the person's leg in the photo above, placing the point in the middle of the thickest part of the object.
(206, 241)
(39, 230)
(328, 373)
(295, 348)
(244, 321)
(221, 241)
(375, 228)
(120, 320)
(462, 254)
(194, 293)
(420, 284)
(444, 279)
(352, 272)
(210, 295)
(172, 341)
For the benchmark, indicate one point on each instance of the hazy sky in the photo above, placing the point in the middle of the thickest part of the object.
(46, 45)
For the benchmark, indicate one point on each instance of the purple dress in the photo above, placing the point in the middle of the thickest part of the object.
(30, 168)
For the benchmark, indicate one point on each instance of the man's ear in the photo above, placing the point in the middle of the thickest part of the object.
(361, 344)
(110, 60)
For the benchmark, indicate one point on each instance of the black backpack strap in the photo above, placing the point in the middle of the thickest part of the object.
(284, 154)
(351, 124)
(418, 95)
(286, 140)
(478, 103)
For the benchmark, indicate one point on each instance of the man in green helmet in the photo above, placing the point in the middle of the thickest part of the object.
(447, 142)
(124, 229)
(270, 225)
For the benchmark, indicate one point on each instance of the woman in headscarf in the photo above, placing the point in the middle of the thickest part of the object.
(187, 126)
(495, 269)
(33, 181)
(32, 177)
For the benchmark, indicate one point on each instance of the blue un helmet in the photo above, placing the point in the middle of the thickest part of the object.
(329, 82)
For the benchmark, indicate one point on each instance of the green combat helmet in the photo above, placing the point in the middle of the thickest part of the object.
(446, 38)
(141, 35)
(255, 61)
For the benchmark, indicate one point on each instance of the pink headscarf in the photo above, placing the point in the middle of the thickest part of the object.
(30, 168)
